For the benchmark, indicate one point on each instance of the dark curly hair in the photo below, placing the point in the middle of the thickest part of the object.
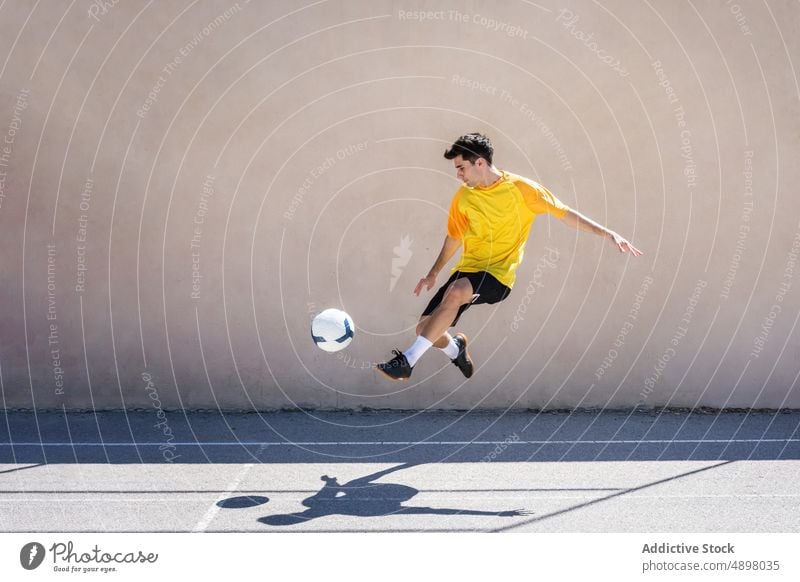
(471, 147)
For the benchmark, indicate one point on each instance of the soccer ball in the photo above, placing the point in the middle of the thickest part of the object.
(332, 330)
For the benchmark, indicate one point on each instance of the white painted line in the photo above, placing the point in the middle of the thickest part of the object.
(407, 443)
(291, 497)
(214, 509)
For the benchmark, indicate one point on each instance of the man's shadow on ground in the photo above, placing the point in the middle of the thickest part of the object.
(361, 497)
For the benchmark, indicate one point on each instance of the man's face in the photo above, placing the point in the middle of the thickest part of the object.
(467, 172)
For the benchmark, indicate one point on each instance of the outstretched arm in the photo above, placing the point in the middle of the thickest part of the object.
(449, 248)
(444, 511)
(577, 220)
(367, 479)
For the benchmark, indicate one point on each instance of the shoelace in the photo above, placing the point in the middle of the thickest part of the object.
(395, 361)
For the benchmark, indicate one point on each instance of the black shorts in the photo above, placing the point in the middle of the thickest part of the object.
(485, 287)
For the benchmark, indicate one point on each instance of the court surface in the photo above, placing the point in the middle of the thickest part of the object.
(395, 471)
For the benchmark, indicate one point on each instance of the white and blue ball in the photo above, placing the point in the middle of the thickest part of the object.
(332, 330)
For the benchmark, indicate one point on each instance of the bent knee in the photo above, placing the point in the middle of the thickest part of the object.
(459, 292)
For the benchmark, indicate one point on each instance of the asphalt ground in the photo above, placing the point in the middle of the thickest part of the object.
(588, 471)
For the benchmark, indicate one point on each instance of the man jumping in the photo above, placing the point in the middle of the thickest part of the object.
(490, 216)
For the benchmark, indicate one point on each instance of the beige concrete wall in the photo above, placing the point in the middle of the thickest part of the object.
(185, 183)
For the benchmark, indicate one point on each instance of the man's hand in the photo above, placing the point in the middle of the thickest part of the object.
(449, 248)
(428, 281)
(623, 244)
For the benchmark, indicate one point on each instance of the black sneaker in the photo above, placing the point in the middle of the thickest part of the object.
(397, 368)
(462, 361)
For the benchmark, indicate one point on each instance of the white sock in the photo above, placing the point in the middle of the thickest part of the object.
(451, 349)
(419, 347)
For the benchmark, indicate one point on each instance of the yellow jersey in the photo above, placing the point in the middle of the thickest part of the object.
(493, 223)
